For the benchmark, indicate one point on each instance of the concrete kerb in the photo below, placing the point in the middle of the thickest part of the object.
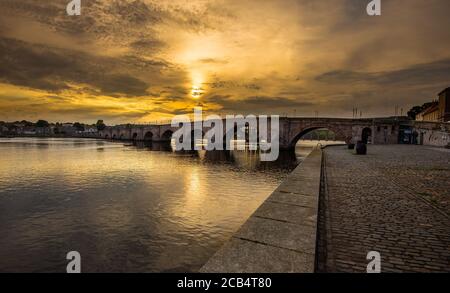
(281, 234)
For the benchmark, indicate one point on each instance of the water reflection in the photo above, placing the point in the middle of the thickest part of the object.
(153, 146)
(246, 159)
(126, 207)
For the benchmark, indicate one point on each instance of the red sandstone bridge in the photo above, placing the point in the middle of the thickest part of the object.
(389, 130)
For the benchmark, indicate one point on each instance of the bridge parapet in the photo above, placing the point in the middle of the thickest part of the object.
(376, 130)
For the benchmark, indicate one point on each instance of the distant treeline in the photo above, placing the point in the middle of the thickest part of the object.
(100, 125)
(44, 128)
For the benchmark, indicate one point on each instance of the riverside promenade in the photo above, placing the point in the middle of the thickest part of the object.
(336, 206)
(395, 201)
(281, 235)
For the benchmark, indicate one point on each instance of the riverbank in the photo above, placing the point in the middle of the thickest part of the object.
(50, 136)
(280, 236)
(394, 200)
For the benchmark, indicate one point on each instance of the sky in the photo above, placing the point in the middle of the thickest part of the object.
(140, 61)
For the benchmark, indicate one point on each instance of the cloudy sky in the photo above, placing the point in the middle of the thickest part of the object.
(142, 60)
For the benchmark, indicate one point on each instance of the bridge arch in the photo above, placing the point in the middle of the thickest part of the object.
(106, 136)
(339, 135)
(134, 136)
(167, 135)
(121, 137)
(148, 136)
(366, 135)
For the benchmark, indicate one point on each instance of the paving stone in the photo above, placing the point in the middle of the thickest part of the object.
(285, 235)
(396, 200)
(287, 213)
(242, 256)
(294, 199)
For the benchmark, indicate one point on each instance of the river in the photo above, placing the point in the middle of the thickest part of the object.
(124, 207)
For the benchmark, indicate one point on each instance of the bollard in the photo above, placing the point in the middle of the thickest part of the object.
(361, 148)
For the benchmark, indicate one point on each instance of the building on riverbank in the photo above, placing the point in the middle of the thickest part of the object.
(444, 105)
(437, 111)
(26, 128)
(431, 113)
(3, 129)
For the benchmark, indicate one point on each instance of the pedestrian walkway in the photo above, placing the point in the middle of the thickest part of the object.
(395, 201)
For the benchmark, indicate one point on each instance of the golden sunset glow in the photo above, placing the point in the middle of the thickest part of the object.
(165, 57)
(197, 92)
(197, 85)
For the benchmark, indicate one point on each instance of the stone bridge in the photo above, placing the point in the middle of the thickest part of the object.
(390, 130)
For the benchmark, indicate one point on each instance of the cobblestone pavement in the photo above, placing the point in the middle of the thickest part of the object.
(395, 201)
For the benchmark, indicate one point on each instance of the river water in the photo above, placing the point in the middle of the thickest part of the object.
(124, 207)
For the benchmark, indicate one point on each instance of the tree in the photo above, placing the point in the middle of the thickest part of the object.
(26, 123)
(42, 123)
(78, 126)
(417, 109)
(100, 125)
(414, 111)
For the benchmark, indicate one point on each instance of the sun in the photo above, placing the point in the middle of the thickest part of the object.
(197, 81)
(196, 92)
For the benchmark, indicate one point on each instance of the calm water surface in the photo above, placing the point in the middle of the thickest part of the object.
(125, 208)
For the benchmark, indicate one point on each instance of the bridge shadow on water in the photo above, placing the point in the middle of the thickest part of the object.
(246, 159)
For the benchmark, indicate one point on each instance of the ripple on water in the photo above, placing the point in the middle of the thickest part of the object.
(123, 208)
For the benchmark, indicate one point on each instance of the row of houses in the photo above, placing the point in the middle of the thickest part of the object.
(438, 110)
(30, 129)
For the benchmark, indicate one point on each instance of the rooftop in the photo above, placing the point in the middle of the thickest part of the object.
(445, 90)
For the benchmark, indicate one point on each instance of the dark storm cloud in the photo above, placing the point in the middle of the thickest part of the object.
(429, 73)
(212, 61)
(274, 102)
(369, 90)
(51, 69)
(108, 113)
(147, 45)
(255, 103)
(32, 68)
(228, 84)
(48, 13)
(183, 111)
(294, 92)
(122, 83)
(117, 19)
(97, 17)
(175, 89)
(136, 12)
